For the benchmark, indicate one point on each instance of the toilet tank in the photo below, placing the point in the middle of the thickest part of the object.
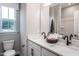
(8, 45)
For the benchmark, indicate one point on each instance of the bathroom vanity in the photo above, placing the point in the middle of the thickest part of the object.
(35, 49)
(37, 46)
(65, 22)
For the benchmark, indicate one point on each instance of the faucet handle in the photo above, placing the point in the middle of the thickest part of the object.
(44, 34)
(76, 35)
(71, 35)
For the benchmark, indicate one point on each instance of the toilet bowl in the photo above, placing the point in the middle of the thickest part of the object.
(8, 47)
(9, 53)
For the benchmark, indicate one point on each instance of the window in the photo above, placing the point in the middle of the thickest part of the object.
(8, 19)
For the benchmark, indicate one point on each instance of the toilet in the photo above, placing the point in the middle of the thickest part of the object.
(8, 47)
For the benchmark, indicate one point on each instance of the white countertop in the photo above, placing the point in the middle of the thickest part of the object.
(60, 47)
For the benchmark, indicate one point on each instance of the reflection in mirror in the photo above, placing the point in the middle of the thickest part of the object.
(55, 15)
(65, 17)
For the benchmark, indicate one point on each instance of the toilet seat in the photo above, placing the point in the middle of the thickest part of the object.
(9, 53)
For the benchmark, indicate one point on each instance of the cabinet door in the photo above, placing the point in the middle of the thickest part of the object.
(33, 49)
(33, 18)
(47, 53)
(33, 52)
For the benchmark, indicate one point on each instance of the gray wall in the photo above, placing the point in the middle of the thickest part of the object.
(12, 35)
(69, 11)
(23, 28)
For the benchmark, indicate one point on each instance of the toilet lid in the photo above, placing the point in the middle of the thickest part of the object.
(9, 53)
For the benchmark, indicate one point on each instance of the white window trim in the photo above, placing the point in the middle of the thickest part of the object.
(2, 30)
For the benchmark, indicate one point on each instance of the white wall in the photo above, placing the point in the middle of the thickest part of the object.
(33, 18)
(44, 19)
(37, 17)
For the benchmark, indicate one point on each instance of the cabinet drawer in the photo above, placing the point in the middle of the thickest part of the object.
(33, 45)
(45, 52)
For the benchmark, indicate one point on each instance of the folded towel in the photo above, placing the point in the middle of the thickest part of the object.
(55, 36)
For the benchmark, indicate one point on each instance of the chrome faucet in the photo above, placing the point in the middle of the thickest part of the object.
(43, 33)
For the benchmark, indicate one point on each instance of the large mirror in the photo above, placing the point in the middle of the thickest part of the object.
(65, 17)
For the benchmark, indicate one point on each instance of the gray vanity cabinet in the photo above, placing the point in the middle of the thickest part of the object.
(36, 50)
(45, 52)
(33, 52)
(33, 49)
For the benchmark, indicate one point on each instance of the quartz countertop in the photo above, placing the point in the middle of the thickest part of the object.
(59, 48)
